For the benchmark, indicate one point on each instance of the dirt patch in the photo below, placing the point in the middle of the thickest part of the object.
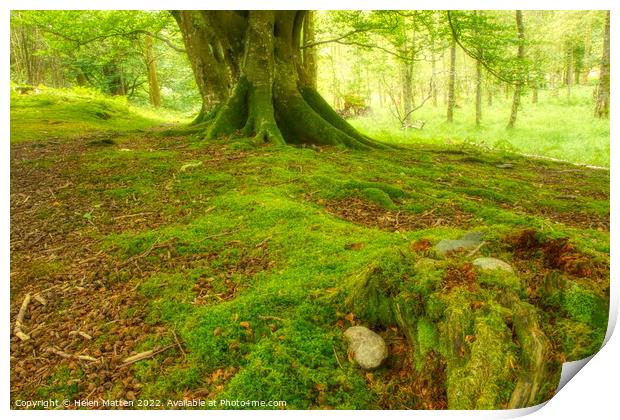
(577, 219)
(365, 213)
(557, 254)
(402, 387)
(460, 275)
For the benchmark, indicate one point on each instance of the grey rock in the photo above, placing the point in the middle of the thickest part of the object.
(468, 241)
(488, 263)
(368, 348)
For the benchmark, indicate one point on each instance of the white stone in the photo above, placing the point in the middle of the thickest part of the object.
(368, 348)
(488, 263)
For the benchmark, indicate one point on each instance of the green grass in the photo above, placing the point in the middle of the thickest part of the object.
(253, 243)
(68, 113)
(557, 127)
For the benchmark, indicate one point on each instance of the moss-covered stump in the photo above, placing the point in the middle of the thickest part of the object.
(497, 343)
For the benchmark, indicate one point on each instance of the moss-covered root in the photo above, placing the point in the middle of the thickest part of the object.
(261, 121)
(233, 114)
(300, 124)
(477, 377)
(535, 354)
(325, 111)
(535, 349)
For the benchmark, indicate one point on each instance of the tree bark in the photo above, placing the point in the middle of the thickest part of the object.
(602, 99)
(451, 82)
(214, 73)
(271, 99)
(519, 83)
(309, 54)
(151, 66)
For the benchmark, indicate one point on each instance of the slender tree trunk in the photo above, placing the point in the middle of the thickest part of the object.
(451, 83)
(569, 69)
(602, 99)
(535, 92)
(151, 66)
(478, 93)
(407, 88)
(519, 83)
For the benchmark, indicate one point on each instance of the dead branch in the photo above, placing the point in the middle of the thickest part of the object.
(145, 355)
(270, 318)
(133, 215)
(19, 321)
(156, 245)
(40, 299)
(71, 356)
(337, 359)
(176, 339)
(476, 249)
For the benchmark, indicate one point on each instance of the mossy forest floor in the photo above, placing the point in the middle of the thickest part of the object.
(239, 262)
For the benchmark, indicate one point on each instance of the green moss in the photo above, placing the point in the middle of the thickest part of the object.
(584, 306)
(500, 279)
(578, 340)
(379, 197)
(480, 382)
(392, 191)
(427, 339)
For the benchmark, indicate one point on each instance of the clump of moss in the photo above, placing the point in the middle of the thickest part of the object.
(379, 197)
(427, 339)
(577, 339)
(584, 306)
(500, 279)
(373, 290)
(391, 190)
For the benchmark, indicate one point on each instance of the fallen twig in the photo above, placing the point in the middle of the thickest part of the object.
(269, 317)
(476, 249)
(153, 247)
(40, 299)
(71, 356)
(19, 321)
(82, 333)
(176, 339)
(337, 359)
(145, 355)
(133, 215)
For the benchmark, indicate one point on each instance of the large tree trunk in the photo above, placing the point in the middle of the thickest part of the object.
(151, 66)
(309, 54)
(271, 98)
(602, 97)
(516, 100)
(451, 83)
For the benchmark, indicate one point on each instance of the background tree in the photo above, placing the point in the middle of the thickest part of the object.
(602, 97)
(520, 77)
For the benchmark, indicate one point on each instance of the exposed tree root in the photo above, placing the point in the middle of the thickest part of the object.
(488, 338)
